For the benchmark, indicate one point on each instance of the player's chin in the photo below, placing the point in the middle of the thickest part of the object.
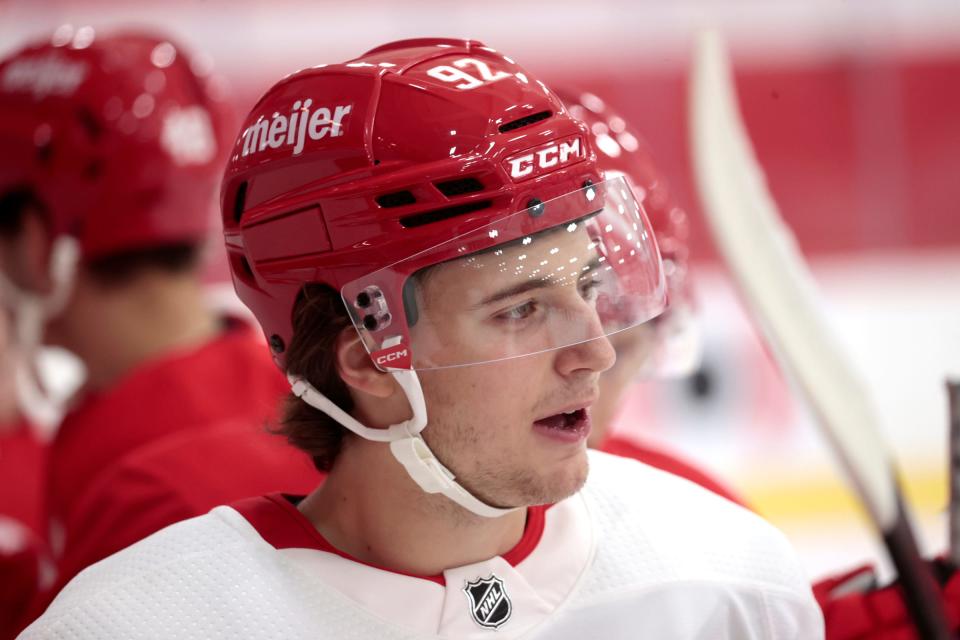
(565, 479)
(538, 483)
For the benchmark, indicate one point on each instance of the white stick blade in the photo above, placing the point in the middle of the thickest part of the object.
(775, 280)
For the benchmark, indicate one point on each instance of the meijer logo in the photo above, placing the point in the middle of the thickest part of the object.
(295, 129)
(547, 158)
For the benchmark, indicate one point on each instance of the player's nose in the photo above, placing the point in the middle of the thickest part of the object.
(592, 354)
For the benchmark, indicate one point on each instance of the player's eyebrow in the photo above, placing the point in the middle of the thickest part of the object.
(516, 290)
(529, 285)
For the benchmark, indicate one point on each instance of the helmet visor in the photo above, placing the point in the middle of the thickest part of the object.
(575, 268)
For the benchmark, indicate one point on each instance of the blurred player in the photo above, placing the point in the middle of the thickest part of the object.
(669, 345)
(436, 259)
(854, 605)
(111, 151)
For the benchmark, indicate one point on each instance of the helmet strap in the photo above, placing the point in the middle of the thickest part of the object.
(406, 443)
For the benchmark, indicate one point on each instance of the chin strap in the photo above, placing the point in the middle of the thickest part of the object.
(31, 313)
(406, 444)
(420, 463)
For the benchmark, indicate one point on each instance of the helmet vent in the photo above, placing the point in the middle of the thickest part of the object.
(90, 123)
(437, 215)
(245, 266)
(395, 199)
(525, 121)
(240, 201)
(241, 268)
(451, 188)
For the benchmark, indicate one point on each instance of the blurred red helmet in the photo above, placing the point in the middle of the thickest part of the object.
(120, 137)
(622, 151)
(342, 170)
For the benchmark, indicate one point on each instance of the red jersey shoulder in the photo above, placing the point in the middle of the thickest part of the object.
(22, 556)
(229, 379)
(178, 437)
(22, 461)
(175, 478)
(22, 550)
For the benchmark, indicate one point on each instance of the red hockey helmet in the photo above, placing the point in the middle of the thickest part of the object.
(419, 153)
(621, 150)
(120, 137)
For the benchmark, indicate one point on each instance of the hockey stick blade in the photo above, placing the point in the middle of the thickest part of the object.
(780, 292)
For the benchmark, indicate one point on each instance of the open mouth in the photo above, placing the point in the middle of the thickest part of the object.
(571, 425)
(564, 420)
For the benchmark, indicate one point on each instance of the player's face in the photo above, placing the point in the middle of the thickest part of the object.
(514, 432)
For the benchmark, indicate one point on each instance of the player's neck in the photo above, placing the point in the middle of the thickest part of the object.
(113, 331)
(370, 509)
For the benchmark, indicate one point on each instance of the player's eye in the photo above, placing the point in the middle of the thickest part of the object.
(518, 313)
(589, 287)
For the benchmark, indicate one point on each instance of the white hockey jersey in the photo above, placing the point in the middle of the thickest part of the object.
(638, 553)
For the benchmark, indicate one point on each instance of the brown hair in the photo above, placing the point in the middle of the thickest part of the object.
(318, 319)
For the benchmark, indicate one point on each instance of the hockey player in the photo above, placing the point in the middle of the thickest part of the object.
(436, 260)
(111, 150)
(855, 606)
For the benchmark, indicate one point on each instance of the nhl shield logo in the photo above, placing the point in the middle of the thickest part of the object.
(489, 603)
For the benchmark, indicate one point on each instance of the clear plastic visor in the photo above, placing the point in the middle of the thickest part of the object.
(559, 273)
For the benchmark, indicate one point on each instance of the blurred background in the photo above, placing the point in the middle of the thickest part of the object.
(854, 111)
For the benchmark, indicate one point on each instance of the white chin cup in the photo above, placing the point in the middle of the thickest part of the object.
(406, 445)
(431, 476)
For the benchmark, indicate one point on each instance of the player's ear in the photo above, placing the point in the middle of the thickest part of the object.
(357, 370)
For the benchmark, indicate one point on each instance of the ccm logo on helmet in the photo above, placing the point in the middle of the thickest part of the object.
(540, 161)
(295, 129)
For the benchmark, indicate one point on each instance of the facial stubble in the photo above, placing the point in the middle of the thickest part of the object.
(479, 453)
